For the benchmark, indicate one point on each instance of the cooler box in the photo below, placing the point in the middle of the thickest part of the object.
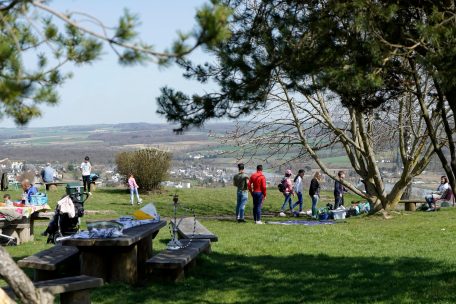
(339, 214)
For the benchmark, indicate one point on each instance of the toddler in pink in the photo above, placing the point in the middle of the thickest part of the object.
(133, 189)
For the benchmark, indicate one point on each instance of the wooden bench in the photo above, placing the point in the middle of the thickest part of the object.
(171, 265)
(185, 230)
(52, 262)
(72, 290)
(410, 204)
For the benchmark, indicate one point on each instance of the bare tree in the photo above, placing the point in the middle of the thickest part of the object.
(296, 124)
(20, 283)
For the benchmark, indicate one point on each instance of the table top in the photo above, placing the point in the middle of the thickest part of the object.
(130, 237)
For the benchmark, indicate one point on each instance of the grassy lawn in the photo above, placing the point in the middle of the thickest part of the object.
(407, 259)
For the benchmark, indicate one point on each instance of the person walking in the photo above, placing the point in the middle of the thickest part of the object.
(298, 190)
(339, 190)
(133, 190)
(257, 188)
(86, 168)
(241, 181)
(314, 192)
(287, 186)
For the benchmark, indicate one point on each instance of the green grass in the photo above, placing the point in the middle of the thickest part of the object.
(407, 259)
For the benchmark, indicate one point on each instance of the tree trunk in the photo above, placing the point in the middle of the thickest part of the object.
(20, 283)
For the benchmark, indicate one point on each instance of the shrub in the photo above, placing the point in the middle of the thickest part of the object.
(149, 166)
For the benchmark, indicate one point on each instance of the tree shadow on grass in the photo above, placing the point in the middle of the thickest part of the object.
(229, 278)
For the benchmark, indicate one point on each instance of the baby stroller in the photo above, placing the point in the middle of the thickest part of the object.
(62, 224)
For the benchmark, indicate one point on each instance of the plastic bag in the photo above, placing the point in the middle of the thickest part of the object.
(148, 212)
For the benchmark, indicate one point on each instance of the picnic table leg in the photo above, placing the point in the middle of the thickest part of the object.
(95, 264)
(144, 253)
(125, 265)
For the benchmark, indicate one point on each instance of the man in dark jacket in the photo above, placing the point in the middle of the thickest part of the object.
(339, 190)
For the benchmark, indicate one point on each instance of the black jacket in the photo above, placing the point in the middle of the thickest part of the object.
(314, 187)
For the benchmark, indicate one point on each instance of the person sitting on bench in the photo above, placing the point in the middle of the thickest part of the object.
(47, 174)
(29, 190)
(435, 195)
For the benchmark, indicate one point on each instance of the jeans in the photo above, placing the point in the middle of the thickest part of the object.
(430, 198)
(257, 202)
(132, 195)
(240, 205)
(86, 182)
(338, 201)
(314, 204)
(287, 199)
(299, 202)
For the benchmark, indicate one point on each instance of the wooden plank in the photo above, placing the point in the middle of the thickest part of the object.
(69, 284)
(131, 236)
(49, 259)
(186, 226)
(174, 259)
(416, 201)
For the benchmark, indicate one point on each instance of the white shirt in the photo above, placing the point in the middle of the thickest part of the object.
(443, 187)
(298, 185)
(86, 167)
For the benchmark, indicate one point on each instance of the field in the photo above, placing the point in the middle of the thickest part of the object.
(366, 259)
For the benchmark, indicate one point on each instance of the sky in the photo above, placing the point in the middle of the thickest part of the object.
(106, 92)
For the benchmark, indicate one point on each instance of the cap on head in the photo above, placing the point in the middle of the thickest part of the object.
(86, 158)
(241, 166)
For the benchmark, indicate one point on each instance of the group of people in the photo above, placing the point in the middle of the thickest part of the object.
(256, 185)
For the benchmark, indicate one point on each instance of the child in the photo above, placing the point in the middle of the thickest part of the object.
(133, 189)
(7, 200)
(287, 193)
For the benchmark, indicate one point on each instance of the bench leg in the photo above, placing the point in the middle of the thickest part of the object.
(44, 275)
(76, 297)
(410, 206)
(169, 275)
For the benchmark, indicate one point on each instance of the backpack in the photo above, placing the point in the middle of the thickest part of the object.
(282, 186)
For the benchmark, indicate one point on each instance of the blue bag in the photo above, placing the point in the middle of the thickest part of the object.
(38, 199)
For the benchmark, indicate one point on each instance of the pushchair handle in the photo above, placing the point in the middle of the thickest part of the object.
(82, 197)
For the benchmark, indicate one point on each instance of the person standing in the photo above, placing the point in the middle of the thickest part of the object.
(314, 192)
(298, 190)
(47, 174)
(133, 190)
(241, 181)
(339, 190)
(257, 188)
(86, 168)
(287, 193)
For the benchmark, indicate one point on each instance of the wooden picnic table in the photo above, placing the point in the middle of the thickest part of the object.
(121, 259)
(23, 229)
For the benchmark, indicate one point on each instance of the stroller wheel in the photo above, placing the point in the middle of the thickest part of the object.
(53, 238)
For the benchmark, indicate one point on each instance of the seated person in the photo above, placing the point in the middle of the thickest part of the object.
(436, 195)
(47, 174)
(29, 189)
(7, 200)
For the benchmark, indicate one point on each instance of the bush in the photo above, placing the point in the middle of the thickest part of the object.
(149, 166)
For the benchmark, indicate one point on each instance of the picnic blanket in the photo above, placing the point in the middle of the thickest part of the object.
(25, 211)
(303, 222)
(107, 233)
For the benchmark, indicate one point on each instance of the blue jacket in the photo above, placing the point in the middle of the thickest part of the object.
(31, 191)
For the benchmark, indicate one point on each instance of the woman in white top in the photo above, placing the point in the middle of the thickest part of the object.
(441, 191)
(86, 168)
(298, 190)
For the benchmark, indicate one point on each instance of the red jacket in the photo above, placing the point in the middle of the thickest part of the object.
(258, 183)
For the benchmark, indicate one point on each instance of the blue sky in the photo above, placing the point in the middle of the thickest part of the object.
(106, 92)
